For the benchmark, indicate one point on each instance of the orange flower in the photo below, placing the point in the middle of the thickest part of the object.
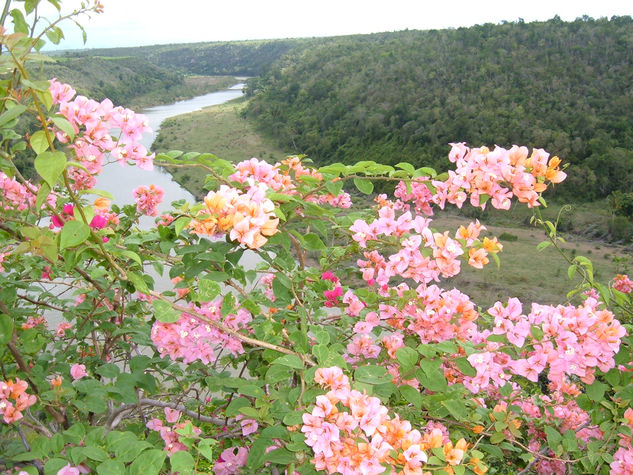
(57, 381)
(628, 415)
(477, 258)
(492, 245)
(478, 429)
(102, 204)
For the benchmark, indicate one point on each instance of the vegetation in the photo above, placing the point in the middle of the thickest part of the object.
(564, 86)
(219, 129)
(281, 329)
(131, 81)
(234, 58)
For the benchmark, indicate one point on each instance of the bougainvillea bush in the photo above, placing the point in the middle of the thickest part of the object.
(304, 330)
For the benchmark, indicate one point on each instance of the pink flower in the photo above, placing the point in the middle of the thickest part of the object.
(68, 470)
(172, 415)
(78, 371)
(623, 284)
(61, 329)
(230, 461)
(249, 426)
(148, 199)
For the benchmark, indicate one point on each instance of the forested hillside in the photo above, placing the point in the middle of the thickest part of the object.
(119, 78)
(236, 58)
(391, 97)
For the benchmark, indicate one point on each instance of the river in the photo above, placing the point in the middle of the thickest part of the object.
(120, 181)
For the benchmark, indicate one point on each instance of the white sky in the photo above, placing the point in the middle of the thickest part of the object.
(145, 22)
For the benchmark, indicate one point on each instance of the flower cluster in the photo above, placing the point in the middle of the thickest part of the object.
(14, 399)
(574, 342)
(248, 217)
(15, 195)
(423, 255)
(192, 339)
(148, 198)
(366, 439)
(623, 284)
(499, 175)
(97, 123)
(168, 433)
(278, 177)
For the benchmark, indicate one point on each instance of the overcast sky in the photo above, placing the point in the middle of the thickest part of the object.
(146, 22)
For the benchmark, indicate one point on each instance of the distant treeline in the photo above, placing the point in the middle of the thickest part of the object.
(390, 97)
(233, 58)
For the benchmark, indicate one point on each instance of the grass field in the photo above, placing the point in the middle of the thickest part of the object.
(525, 273)
(531, 275)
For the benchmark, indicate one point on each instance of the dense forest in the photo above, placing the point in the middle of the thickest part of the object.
(234, 58)
(563, 86)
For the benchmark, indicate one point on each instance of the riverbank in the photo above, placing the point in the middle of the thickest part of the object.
(220, 130)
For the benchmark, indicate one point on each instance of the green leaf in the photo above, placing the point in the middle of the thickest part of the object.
(313, 242)
(110, 467)
(412, 395)
(148, 463)
(73, 233)
(595, 392)
(543, 245)
(94, 453)
(371, 374)
(407, 357)
(208, 290)
(280, 456)
(108, 370)
(38, 142)
(11, 114)
(62, 124)
(6, 329)
(431, 375)
(278, 373)
(292, 361)
(364, 186)
(164, 312)
(50, 165)
(42, 194)
(19, 24)
(180, 224)
(497, 437)
(138, 281)
(217, 276)
(406, 167)
(553, 437)
(205, 447)
(182, 462)
(465, 367)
